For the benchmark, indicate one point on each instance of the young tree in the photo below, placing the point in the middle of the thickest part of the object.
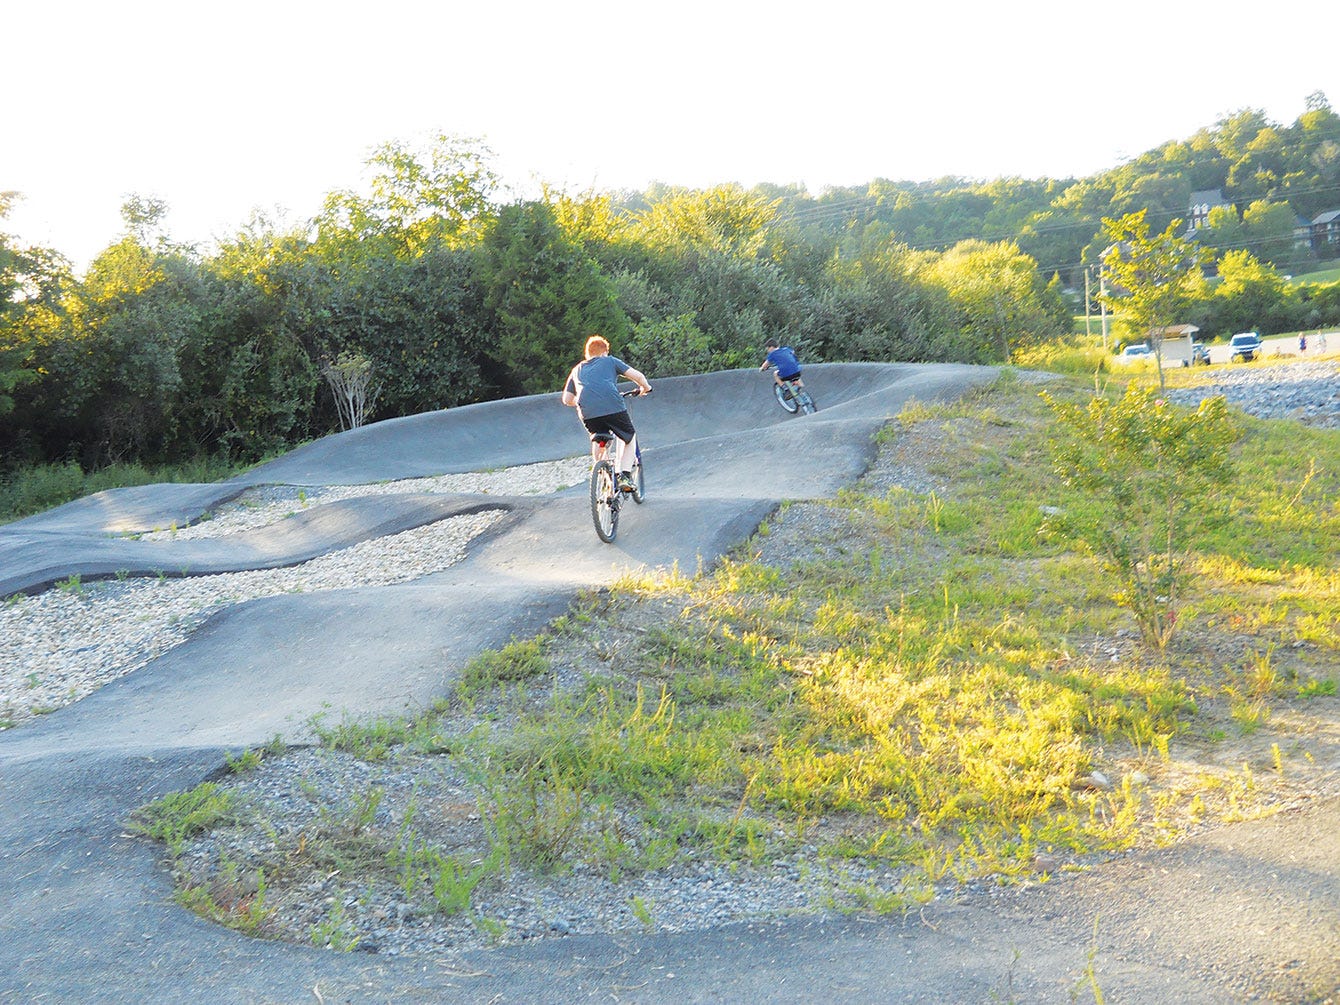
(353, 386)
(1150, 278)
(1150, 472)
(545, 296)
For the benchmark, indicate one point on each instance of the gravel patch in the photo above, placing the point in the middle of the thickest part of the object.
(269, 504)
(65, 643)
(1308, 392)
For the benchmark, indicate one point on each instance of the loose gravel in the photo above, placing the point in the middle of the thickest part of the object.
(65, 643)
(1308, 392)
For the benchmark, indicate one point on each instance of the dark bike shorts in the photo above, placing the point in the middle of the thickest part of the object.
(618, 423)
(789, 376)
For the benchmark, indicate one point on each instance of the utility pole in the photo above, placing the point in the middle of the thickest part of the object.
(1088, 328)
(1102, 302)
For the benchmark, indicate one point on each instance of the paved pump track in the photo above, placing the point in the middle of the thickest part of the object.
(88, 913)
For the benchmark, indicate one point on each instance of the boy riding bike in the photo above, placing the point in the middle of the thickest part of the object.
(592, 389)
(783, 360)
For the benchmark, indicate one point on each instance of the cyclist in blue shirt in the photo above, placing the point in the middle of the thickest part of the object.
(783, 360)
(593, 389)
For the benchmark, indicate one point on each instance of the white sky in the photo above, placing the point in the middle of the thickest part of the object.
(221, 108)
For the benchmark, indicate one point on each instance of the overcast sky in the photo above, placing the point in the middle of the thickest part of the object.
(220, 109)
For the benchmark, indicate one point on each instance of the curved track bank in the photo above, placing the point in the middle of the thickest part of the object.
(88, 913)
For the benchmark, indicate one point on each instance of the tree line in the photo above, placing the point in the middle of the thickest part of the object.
(442, 293)
(159, 353)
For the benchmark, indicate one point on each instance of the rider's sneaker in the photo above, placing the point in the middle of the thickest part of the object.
(626, 481)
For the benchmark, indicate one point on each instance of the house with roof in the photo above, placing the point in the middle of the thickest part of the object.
(1325, 231)
(1302, 233)
(1198, 212)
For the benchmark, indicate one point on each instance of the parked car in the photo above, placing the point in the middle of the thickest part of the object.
(1245, 346)
(1200, 354)
(1136, 351)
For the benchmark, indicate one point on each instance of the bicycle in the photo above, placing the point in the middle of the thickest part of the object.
(793, 397)
(606, 496)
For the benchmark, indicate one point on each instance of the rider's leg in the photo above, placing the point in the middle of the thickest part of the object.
(626, 453)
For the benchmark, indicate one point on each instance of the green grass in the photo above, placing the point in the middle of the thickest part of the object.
(32, 489)
(1320, 277)
(181, 815)
(934, 700)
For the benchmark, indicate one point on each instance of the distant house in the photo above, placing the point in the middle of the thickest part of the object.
(1326, 234)
(1198, 213)
(1302, 233)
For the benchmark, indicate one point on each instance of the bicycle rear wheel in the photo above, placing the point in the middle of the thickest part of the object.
(604, 501)
(784, 397)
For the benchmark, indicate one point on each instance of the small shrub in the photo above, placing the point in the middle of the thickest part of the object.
(1148, 471)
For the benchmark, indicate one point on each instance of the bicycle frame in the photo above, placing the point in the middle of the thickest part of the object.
(792, 395)
(607, 451)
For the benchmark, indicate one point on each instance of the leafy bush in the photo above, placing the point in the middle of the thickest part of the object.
(39, 487)
(1150, 470)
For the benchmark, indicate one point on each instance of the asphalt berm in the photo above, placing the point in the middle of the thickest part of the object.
(1245, 913)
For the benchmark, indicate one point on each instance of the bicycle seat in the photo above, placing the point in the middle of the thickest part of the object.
(601, 438)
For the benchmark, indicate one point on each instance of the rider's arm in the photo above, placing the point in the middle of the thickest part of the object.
(636, 377)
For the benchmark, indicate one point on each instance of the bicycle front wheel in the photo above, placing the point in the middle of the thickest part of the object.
(784, 397)
(807, 404)
(604, 501)
(639, 482)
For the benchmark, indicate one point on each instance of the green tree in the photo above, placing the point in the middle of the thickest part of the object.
(1250, 294)
(114, 376)
(670, 348)
(1150, 473)
(436, 193)
(418, 323)
(1150, 278)
(255, 381)
(873, 308)
(31, 280)
(544, 296)
(1001, 301)
(1269, 230)
(727, 221)
(1223, 229)
(111, 352)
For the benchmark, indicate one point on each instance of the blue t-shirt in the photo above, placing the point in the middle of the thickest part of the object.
(595, 383)
(784, 359)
